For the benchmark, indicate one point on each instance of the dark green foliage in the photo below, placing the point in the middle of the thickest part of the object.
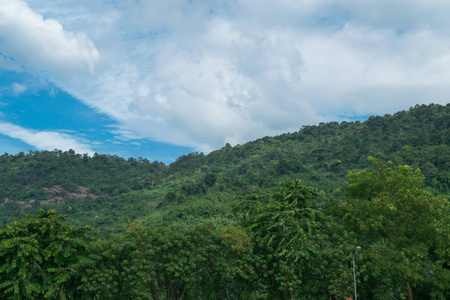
(292, 243)
(165, 263)
(210, 179)
(108, 271)
(24, 176)
(299, 253)
(179, 237)
(106, 191)
(281, 224)
(167, 260)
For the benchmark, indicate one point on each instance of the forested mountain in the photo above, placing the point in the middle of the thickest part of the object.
(276, 218)
(107, 191)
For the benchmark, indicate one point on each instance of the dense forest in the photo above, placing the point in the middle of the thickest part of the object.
(276, 218)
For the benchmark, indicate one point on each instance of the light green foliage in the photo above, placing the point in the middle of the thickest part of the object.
(236, 238)
(403, 229)
(36, 256)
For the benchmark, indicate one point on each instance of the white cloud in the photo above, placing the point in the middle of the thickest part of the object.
(204, 73)
(44, 140)
(43, 43)
(18, 88)
(375, 71)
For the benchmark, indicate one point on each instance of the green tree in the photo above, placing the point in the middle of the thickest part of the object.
(108, 272)
(37, 255)
(281, 225)
(165, 260)
(198, 263)
(226, 270)
(403, 229)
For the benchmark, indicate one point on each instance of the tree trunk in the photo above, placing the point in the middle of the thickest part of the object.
(182, 294)
(408, 288)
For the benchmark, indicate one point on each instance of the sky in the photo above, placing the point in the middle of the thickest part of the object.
(158, 79)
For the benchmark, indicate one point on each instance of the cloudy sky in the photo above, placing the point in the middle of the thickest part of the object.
(162, 78)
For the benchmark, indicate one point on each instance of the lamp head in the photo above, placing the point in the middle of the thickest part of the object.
(358, 248)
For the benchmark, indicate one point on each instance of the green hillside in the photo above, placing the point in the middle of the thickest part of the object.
(107, 191)
(277, 218)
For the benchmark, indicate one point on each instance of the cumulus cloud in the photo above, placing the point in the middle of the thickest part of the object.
(43, 43)
(204, 73)
(44, 140)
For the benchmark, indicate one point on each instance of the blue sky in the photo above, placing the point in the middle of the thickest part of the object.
(159, 79)
(44, 107)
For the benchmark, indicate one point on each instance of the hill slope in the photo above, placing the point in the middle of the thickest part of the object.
(106, 191)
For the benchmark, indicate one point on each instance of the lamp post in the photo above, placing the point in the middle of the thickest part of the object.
(354, 273)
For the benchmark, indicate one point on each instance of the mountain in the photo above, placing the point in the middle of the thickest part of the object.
(107, 191)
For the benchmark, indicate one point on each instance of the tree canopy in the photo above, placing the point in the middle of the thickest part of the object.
(217, 226)
(292, 243)
(403, 228)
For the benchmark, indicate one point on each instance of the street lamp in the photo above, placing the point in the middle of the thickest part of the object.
(354, 274)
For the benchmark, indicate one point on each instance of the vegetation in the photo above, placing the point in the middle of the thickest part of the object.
(217, 227)
(404, 229)
(106, 191)
(291, 244)
(37, 256)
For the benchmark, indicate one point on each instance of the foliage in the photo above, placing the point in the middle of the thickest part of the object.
(170, 231)
(37, 255)
(108, 272)
(106, 191)
(193, 263)
(292, 243)
(281, 224)
(403, 229)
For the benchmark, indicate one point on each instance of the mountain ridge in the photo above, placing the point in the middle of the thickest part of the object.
(200, 188)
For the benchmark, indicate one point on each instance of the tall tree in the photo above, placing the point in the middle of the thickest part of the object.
(404, 230)
(281, 224)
